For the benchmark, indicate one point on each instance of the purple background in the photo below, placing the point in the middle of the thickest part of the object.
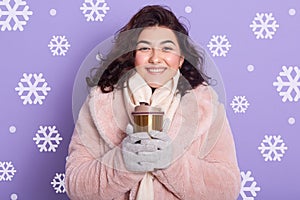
(27, 52)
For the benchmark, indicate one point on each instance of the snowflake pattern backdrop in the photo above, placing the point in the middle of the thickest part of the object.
(254, 44)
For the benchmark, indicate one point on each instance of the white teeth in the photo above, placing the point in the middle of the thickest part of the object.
(156, 70)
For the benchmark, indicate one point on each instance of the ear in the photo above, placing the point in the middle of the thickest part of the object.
(181, 61)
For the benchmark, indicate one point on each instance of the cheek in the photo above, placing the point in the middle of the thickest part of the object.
(173, 61)
(139, 59)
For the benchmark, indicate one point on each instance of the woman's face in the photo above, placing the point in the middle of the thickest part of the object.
(157, 57)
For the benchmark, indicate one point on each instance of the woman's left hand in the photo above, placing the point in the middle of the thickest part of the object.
(162, 156)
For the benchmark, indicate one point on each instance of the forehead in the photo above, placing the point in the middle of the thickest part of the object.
(157, 34)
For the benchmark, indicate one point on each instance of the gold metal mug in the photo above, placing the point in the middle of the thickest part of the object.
(147, 118)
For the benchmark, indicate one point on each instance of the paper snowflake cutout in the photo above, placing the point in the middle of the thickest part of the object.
(47, 138)
(292, 83)
(219, 45)
(15, 11)
(264, 26)
(7, 171)
(274, 148)
(94, 11)
(239, 104)
(37, 88)
(59, 45)
(58, 183)
(248, 186)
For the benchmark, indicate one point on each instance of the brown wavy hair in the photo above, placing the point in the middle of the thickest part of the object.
(116, 67)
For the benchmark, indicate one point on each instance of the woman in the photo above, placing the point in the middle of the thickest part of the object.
(193, 157)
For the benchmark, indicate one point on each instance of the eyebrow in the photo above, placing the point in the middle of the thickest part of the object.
(163, 42)
(168, 41)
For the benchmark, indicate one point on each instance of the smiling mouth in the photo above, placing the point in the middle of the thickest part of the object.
(156, 70)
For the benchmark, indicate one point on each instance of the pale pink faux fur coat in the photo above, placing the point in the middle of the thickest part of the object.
(204, 168)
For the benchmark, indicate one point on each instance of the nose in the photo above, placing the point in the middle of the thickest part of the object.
(155, 57)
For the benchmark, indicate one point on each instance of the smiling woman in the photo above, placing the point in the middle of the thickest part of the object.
(158, 56)
(153, 63)
(121, 59)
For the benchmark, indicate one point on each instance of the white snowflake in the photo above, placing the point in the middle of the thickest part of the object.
(264, 25)
(272, 150)
(94, 11)
(293, 83)
(219, 45)
(246, 188)
(58, 183)
(17, 12)
(7, 171)
(239, 104)
(47, 140)
(59, 45)
(32, 88)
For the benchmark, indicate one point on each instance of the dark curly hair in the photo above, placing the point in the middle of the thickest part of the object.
(115, 68)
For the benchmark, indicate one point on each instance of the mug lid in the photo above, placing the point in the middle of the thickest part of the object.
(146, 109)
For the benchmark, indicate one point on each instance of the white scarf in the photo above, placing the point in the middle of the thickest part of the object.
(166, 97)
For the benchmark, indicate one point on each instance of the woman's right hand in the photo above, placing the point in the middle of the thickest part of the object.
(145, 152)
(136, 151)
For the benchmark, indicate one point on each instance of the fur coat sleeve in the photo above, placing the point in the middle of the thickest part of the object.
(213, 176)
(204, 167)
(207, 169)
(90, 171)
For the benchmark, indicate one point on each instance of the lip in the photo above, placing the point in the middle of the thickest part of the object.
(156, 70)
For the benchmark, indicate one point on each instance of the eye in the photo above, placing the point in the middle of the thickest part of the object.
(167, 49)
(143, 48)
